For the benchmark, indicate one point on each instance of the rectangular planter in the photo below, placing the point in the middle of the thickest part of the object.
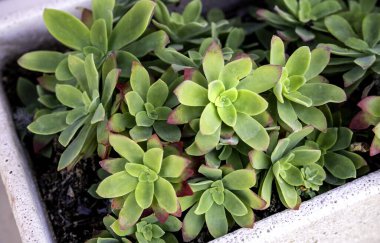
(350, 213)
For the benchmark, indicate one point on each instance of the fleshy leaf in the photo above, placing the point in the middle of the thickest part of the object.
(321, 93)
(216, 221)
(167, 132)
(210, 120)
(228, 115)
(192, 11)
(44, 126)
(69, 95)
(127, 148)
(311, 116)
(153, 159)
(277, 51)
(371, 33)
(183, 114)
(262, 79)
(102, 9)
(140, 80)
(288, 115)
(320, 57)
(304, 157)
(165, 195)
(117, 185)
(247, 220)
(144, 194)
(173, 166)
(215, 88)
(339, 27)
(299, 62)
(213, 62)
(251, 132)
(233, 204)
(192, 225)
(328, 139)
(135, 103)
(205, 203)
(67, 29)
(240, 179)
(339, 166)
(191, 94)
(250, 103)
(344, 139)
(41, 61)
(371, 104)
(234, 71)
(132, 25)
(130, 213)
(157, 93)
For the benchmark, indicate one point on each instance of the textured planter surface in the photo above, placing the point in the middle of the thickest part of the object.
(350, 213)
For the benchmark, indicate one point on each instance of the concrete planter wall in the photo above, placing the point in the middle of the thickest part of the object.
(350, 213)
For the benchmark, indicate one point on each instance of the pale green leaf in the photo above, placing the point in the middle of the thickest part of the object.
(117, 185)
(127, 148)
(213, 62)
(67, 29)
(41, 61)
(132, 25)
(251, 132)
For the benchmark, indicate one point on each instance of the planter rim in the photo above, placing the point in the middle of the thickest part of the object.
(22, 30)
(283, 226)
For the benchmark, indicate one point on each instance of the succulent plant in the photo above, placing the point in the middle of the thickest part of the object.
(109, 235)
(190, 30)
(357, 42)
(81, 107)
(295, 19)
(146, 104)
(186, 27)
(217, 196)
(369, 116)
(340, 163)
(225, 97)
(98, 38)
(148, 229)
(290, 166)
(143, 178)
(229, 149)
(232, 46)
(29, 95)
(301, 88)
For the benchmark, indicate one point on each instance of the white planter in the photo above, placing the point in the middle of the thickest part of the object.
(350, 213)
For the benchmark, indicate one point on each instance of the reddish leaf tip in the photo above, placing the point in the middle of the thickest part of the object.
(188, 73)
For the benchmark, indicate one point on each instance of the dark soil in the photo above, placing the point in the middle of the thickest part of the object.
(74, 213)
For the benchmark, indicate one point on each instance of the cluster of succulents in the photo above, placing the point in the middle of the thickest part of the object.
(295, 19)
(347, 28)
(191, 131)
